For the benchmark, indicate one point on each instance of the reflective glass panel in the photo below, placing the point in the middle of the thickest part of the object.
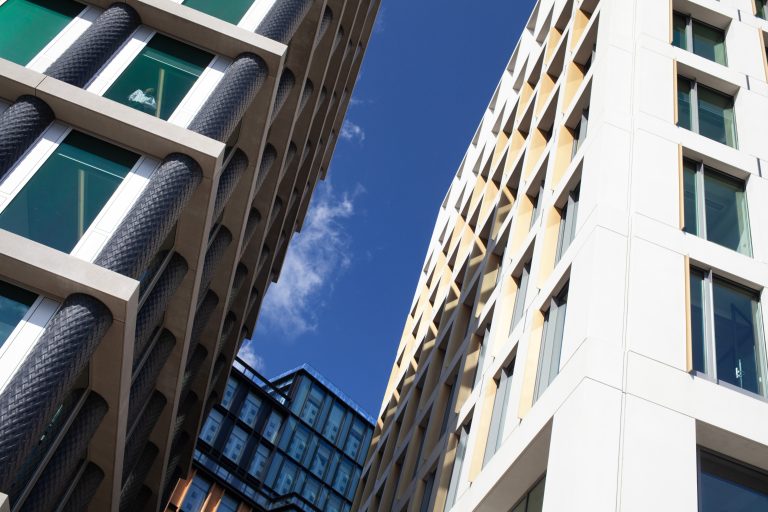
(298, 443)
(211, 428)
(727, 486)
(716, 119)
(726, 212)
(684, 103)
(59, 203)
(333, 423)
(273, 426)
(196, 494)
(679, 35)
(161, 75)
(697, 321)
(259, 461)
(231, 11)
(14, 304)
(228, 504)
(249, 411)
(229, 393)
(690, 198)
(27, 26)
(320, 461)
(235, 444)
(709, 42)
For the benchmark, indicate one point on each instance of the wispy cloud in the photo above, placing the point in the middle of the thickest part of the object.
(248, 354)
(315, 258)
(350, 131)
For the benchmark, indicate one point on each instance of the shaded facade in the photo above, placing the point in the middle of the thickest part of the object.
(155, 160)
(295, 443)
(588, 332)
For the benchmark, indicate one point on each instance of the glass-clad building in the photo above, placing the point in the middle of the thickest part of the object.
(293, 443)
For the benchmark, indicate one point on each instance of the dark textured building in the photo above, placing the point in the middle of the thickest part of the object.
(293, 443)
(156, 157)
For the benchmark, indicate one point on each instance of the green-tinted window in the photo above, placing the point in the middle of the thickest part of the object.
(62, 199)
(27, 26)
(716, 119)
(679, 31)
(14, 304)
(702, 39)
(160, 76)
(684, 103)
(761, 7)
(231, 10)
(697, 321)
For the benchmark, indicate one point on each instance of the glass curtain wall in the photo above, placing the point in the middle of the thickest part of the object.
(727, 485)
(231, 11)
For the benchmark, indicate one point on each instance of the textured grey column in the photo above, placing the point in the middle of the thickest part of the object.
(61, 468)
(81, 61)
(290, 156)
(309, 88)
(283, 19)
(324, 23)
(230, 322)
(154, 307)
(195, 362)
(44, 378)
(151, 219)
(254, 219)
(224, 109)
(141, 428)
(266, 252)
(186, 405)
(85, 489)
(277, 207)
(268, 158)
(20, 125)
(147, 378)
(284, 88)
(202, 315)
(241, 272)
(228, 180)
(213, 256)
(218, 367)
(136, 479)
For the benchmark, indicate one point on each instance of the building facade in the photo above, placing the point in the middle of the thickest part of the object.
(295, 443)
(156, 157)
(588, 331)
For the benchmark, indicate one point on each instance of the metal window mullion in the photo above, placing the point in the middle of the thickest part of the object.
(694, 106)
(701, 198)
(709, 331)
(689, 33)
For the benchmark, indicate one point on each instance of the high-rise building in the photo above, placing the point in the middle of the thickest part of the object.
(156, 157)
(588, 332)
(293, 443)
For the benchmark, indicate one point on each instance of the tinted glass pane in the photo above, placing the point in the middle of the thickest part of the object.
(709, 42)
(726, 486)
(59, 203)
(697, 321)
(522, 290)
(679, 37)
(761, 7)
(196, 494)
(27, 26)
(14, 304)
(231, 10)
(716, 116)
(684, 103)
(690, 198)
(736, 337)
(159, 77)
(536, 498)
(726, 212)
(333, 423)
(228, 504)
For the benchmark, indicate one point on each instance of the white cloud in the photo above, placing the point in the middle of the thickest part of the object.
(350, 131)
(314, 260)
(248, 354)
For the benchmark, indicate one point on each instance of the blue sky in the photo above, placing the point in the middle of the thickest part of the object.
(350, 275)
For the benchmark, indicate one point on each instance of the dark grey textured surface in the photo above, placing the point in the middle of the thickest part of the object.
(283, 19)
(136, 479)
(20, 125)
(230, 322)
(61, 468)
(152, 311)
(85, 489)
(214, 255)
(141, 428)
(224, 109)
(145, 381)
(81, 61)
(268, 158)
(202, 315)
(44, 378)
(145, 228)
(228, 180)
(309, 88)
(325, 22)
(254, 219)
(284, 88)
(194, 365)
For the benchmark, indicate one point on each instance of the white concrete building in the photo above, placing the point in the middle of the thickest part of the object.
(648, 226)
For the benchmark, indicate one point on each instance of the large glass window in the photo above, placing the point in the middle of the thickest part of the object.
(235, 444)
(211, 428)
(580, 133)
(697, 37)
(312, 406)
(715, 207)
(522, 290)
(761, 7)
(726, 331)
(66, 194)
(249, 411)
(311, 490)
(228, 504)
(725, 485)
(196, 495)
(27, 26)
(533, 500)
(259, 461)
(161, 75)
(231, 11)
(500, 402)
(706, 111)
(536, 204)
(458, 462)
(273, 426)
(229, 393)
(551, 343)
(343, 476)
(14, 304)
(567, 228)
(286, 478)
(355, 438)
(320, 460)
(298, 443)
(333, 423)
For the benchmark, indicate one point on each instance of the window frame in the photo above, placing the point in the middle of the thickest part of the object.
(727, 466)
(694, 108)
(689, 37)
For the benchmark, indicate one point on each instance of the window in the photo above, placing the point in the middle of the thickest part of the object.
(715, 207)
(343, 477)
(249, 411)
(533, 500)
(426, 498)
(259, 461)
(567, 228)
(706, 111)
(761, 7)
(461, 449)
(500, 402)
(229, 393)
(522, 290)
(14, 304)
(228, 504)
(697, 37)
(298, 443)
(311, 490)
(333, 424)
(728, 485)
(313, 405)
(536, 202)
(551, 343)
(448, 407)
(235, 444)
(580, 133)
(27, 26)
(481, 359)
(726, 332)
(159, 78)
(231, 11)
(196, 495)
(211, 428)
(320, 461)
(58, 204)
(273, 426)
(334, 504)
(286, 478)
